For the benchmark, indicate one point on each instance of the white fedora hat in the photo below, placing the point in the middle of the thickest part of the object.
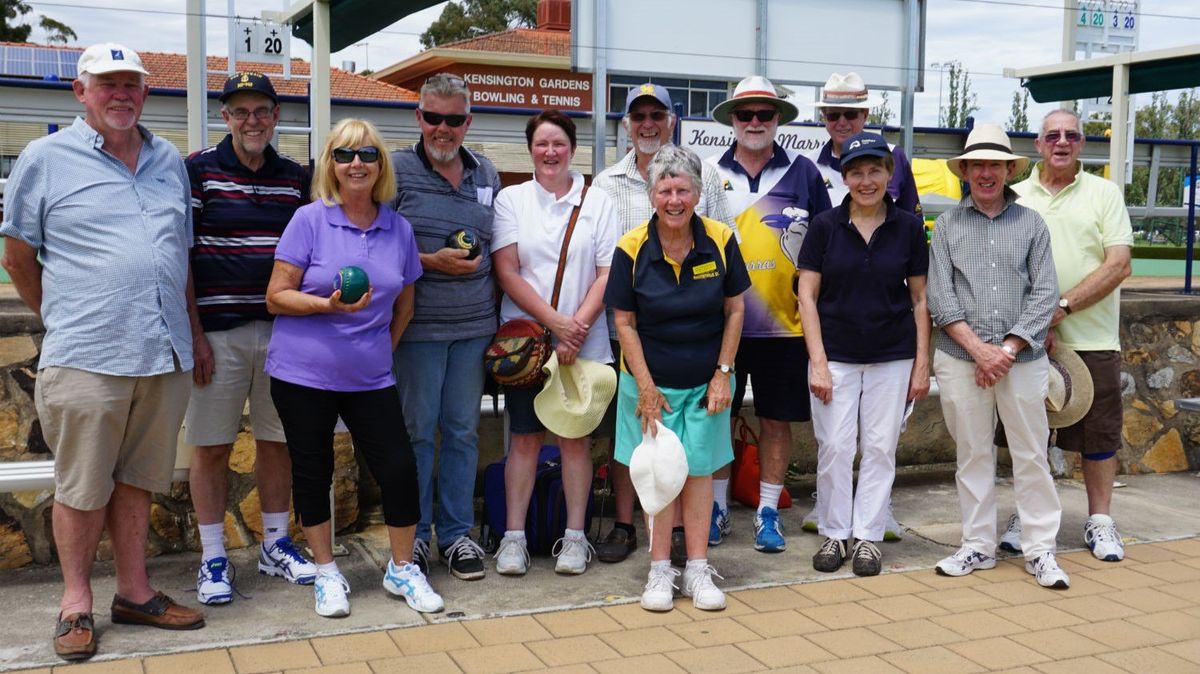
(755, 89)
(846, 91)
(574, 398)
(1071, 391)
(658, 468)
(986, 141)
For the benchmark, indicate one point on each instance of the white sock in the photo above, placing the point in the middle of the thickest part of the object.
(275, 527)
(768, 495)
(212, 541)
(518, 535)
(573, 533)
(661, 564)
(721, 494)
(330, 569)
(696, 565)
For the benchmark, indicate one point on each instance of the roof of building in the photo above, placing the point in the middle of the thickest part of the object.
(518, 41)
(169, 71)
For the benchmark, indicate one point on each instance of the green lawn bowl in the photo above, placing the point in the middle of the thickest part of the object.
(464, 240)
(353, 283)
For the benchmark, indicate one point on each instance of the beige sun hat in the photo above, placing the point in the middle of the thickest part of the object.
(1070, 392)
(658, 468)
(987, 141)
(755, 89)
(574, 398)
(846, 91)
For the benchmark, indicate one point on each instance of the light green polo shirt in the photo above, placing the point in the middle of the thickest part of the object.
(1084, 218)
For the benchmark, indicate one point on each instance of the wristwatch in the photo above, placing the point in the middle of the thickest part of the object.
(724, 369)
(1065, 305)
(1008, 349)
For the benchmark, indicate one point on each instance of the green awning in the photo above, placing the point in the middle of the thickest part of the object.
(352, 20)
(1157, 75)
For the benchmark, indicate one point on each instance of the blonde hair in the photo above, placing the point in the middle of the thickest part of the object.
(352, 133)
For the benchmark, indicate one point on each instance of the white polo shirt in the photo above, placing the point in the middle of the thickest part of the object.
(531, 217)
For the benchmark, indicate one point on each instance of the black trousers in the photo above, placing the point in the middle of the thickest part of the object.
(376, 425)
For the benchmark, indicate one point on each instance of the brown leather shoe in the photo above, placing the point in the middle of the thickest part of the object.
(75, 636)
(161, 611)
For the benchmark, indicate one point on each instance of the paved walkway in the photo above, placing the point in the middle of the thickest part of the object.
(1142, 615)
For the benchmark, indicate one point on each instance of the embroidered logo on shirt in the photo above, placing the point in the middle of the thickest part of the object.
(706, 270)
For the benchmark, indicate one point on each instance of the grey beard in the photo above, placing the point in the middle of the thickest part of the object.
(442, 157)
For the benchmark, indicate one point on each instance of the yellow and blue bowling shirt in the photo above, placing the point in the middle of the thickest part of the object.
(679, 305)
(774, 209)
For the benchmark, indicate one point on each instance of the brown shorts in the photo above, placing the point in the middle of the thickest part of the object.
(1099, 430)
(105, 429)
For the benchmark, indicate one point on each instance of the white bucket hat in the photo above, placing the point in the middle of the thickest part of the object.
(574, 398)
(1071, 391)
(846, 91)
(755, 89)
(658, 469)
(986, 141)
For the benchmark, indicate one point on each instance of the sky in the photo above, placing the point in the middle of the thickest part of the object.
(986, 36)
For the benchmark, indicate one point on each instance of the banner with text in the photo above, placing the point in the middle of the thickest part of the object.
(709, 139)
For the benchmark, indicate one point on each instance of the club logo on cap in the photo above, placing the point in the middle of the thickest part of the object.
(854, 145)
(117, 54)
(648, 89)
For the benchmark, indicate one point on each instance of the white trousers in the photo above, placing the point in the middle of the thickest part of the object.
(864, 415)
(970, 412)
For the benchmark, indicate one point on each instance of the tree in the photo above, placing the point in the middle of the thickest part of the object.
(14, 29)
(962, 101)
(471, 18)
(1019, 119)
(881, 115)
(57, 31)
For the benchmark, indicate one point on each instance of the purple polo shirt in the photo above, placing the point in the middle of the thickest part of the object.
(342, 351)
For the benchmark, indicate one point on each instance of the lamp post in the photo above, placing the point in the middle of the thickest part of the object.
(941, 68)
(367, 48)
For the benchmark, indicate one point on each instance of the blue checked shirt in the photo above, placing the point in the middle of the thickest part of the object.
(995, 274)
(114, 250)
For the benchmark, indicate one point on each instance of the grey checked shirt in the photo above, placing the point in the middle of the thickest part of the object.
(995, 274)
(628, 191)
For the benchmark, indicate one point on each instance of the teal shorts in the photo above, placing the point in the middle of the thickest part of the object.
(706, 439)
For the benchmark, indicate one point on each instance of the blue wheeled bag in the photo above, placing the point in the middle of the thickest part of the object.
(546, 519)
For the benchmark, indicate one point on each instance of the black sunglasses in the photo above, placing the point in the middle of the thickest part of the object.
(763, 116)
(1053, 137)
(835, 115)
(436, 118)
(345, 155)
(639, 117)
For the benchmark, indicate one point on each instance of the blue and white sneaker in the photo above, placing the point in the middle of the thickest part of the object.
(768, 531)
(330, 590)
(408, 582)
(964, 561)
(718, 528)
(1100, 534)
(214, 581)
(284, 560)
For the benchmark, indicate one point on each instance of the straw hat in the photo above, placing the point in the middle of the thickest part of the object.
(1070, 392)
(658, 468)
(987, 141)
(755, 89)
(846, 91)
(574, 398)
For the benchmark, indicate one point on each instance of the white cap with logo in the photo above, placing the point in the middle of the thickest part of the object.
(110, 57)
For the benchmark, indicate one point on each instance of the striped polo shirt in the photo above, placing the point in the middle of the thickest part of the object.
(239, 215)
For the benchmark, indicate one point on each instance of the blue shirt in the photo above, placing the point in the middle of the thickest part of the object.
(342, 351)
(864, 303)
(114, 249)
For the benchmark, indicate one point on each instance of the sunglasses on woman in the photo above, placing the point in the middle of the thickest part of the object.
(436, 118)
(764, 116)
(345, 155)
(835, 115)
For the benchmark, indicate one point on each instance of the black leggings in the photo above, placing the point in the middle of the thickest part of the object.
(376, 425)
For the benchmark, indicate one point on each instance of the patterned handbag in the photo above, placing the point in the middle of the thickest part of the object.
(522, 346)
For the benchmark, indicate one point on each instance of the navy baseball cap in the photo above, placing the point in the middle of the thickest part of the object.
(249, 81)
(864, 144)
(655, 91)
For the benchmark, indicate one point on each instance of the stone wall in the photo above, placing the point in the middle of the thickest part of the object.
(1160, 333)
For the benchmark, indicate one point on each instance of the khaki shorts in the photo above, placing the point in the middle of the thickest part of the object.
(214, 415)
(105, 429)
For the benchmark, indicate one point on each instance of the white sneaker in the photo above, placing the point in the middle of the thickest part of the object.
(1045, 568)
(214, 581)
(1010, 540)
(573, 553)
(965, 561)
(285, 561)
(330, 590)
(892, 530)
(1100, 534)
(660, 588)
(410, 583)
(698, 584)
(512, 557)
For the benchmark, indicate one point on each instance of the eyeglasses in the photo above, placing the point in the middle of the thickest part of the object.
(763, 116)
(242, 114)
(436, 118)
(657, 115)
(835, 115)
(1053, 137)
(344, 155)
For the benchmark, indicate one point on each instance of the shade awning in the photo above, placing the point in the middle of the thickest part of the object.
(1159, 70)
(352, 20)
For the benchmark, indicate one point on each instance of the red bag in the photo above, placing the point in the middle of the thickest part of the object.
(517, 353)
(745, 470)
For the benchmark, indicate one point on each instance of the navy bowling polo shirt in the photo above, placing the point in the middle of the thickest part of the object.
(864, 302)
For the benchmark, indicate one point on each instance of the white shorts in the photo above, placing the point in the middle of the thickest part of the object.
(214, 415)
